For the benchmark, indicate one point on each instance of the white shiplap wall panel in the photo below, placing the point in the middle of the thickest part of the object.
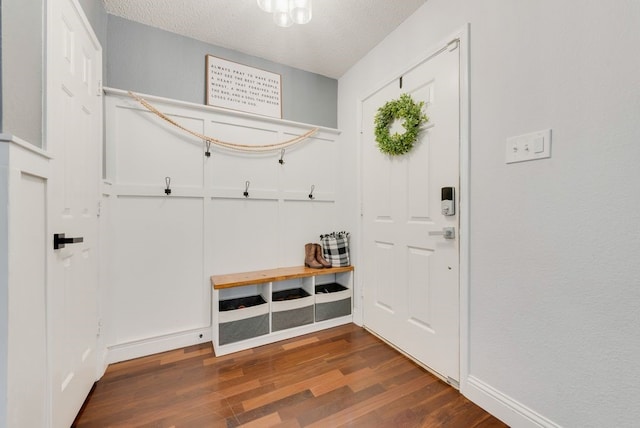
(165, 247)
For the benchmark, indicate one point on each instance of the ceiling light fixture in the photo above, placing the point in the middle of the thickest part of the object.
(287, 12)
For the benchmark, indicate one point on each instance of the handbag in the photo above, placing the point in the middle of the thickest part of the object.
(335, 248)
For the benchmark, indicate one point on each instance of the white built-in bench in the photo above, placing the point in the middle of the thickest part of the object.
(255, 308)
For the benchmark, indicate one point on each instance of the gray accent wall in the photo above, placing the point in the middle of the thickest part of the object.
(147, 60)
(22, 69)
(97, 16)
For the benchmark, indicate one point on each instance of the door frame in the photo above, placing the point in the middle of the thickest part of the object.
(462, 35)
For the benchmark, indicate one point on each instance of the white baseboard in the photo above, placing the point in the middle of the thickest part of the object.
(503, 407)
(142, 348)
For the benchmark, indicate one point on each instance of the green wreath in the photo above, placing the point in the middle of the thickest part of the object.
(402, 108)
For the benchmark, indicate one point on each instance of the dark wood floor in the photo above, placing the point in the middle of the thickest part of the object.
(338, 377)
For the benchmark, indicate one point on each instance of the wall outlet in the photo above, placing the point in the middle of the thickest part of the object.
(536, 145)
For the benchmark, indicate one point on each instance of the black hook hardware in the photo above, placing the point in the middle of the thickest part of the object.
(167, 190)
(311, 193)
(59, 240)
(246, 189)
(281, 161)
(400, 82)
(208, 152)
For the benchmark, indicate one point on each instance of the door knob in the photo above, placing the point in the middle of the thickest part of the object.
(59, 240)
(446, 232)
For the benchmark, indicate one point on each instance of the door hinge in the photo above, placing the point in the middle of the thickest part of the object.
(99, 210)
(99, 328)
(99, 91)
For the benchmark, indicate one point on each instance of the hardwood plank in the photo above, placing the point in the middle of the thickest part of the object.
(274, 406)
(338, 377)
(334, 402)
(345, 380)
(362, 408)
(288, 390)
(270, 420)
(299, 343)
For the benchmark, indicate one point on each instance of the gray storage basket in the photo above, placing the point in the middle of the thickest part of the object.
(328, 310)
(292, 318)
(235, 331)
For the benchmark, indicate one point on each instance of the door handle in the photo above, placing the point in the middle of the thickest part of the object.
(59, 240)
(446, 232)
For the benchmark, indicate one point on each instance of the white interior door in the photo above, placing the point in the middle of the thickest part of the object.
(74, 132)
(411, 274)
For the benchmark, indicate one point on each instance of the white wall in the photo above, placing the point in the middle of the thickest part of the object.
(554, 289)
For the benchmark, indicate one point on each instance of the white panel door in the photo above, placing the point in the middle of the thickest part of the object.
(411, 285)
(74, 109)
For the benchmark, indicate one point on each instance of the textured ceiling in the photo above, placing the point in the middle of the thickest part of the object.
(340, 33)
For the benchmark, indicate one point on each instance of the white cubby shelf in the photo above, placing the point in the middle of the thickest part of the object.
(251, 309)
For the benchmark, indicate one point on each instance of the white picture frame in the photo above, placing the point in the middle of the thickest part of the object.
(239, 87)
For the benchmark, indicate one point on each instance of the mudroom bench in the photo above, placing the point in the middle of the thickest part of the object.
(251, 309)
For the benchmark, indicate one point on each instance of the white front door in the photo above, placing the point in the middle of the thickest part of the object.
(74, 132)
(410, 270)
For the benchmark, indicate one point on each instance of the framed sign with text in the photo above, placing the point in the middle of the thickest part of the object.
(243, 88)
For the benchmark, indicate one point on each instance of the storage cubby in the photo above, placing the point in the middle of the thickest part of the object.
(332, 298)
(243, 313)
(292, 303)
(255, 308)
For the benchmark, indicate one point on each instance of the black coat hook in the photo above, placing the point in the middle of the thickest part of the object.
(311, 193)
(246, 189)
(281, 161)
(167, 190)
(208, 152)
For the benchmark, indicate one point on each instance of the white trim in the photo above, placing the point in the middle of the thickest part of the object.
(358, 288)
(464, 209)
(142, 348)
(505, 408)
(12, 139)
(211, 109)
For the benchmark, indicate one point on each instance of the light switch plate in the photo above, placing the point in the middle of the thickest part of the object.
(534, 146)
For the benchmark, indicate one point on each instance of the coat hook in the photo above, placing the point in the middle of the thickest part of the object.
(167, 190)
(246, 189)
(281, 161)
(311, 193)
(208, 152)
